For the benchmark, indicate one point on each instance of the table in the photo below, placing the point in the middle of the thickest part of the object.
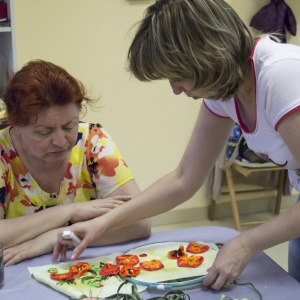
(268, 277)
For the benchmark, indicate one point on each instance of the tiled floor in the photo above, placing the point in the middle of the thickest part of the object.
(278, 253)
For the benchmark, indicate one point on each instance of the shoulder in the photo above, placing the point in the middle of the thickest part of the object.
(96, 139)
(92, 130)
(87, 131)
(267, 52)
(4, 134)
(223, 109)
(277, 69)
(6, 145)
(8, 155)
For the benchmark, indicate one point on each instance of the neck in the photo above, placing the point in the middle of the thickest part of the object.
(247, 87)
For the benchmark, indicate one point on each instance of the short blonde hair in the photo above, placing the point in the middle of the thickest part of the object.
(201, 39)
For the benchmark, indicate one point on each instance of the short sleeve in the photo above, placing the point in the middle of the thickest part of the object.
(6, 177)
(280, 85)
(3, 178)
(106, 165)
(223, 109)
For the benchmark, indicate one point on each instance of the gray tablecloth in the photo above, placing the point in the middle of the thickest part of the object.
(269, 278)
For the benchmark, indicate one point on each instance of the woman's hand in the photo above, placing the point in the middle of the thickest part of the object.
(84, 230)
(231, 260)
(37, 246)
(85, 219)
(91, 209)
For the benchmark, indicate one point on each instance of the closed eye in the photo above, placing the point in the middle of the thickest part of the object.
(44, 133)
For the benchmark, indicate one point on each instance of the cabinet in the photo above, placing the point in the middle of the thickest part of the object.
(7, 46)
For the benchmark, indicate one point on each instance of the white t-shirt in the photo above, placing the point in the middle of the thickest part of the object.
(276, 68)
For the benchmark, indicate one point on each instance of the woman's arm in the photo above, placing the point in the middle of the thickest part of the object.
(37, 246)
(235, 255)
(208, 140)
(44, 242)
(132, 231)
(17, 230)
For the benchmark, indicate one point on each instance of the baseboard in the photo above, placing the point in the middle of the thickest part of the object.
(223, 210)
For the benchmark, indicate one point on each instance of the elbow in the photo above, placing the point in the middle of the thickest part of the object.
(187, 185)
(147, 227)
(189, 193)
(144, 228)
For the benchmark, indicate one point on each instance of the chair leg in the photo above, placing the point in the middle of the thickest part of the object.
(234, 206)
(212, 209)
(279, 191)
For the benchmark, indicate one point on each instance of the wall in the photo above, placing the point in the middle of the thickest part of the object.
(90, 39)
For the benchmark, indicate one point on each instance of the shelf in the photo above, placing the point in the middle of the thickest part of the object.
(7, 39)
(5, 29)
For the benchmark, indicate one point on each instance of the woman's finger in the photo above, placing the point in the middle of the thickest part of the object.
(79, 249)
(122, 198)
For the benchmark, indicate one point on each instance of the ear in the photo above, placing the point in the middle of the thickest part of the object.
(16, 129)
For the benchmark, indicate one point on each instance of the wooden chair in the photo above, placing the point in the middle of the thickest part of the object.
(246, 171)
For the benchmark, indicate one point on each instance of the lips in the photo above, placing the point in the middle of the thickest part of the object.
(58, 152)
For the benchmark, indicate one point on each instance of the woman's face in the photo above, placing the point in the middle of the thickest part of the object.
(52, 136)
(186, 86)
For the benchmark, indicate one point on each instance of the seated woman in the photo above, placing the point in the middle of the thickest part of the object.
(52, 165)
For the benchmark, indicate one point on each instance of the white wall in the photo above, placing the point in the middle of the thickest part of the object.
(90, 39)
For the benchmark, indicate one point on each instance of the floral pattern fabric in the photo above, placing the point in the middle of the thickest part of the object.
(96, 168)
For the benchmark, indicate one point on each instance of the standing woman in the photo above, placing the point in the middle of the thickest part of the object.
(205, 50)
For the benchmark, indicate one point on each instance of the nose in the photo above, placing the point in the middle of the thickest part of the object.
(177, 89)
(59, 138)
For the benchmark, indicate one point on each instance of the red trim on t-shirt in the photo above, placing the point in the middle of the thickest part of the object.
(286, 115)
(240, 121)
(243, 126)
(255, 44)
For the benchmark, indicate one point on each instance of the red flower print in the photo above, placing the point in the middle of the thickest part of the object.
(108, 165)
(26, 202)
(68, 174)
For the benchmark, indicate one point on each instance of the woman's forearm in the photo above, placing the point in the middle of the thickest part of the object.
(18, 230)
(133, 231)
(282, 228)
(166, 194)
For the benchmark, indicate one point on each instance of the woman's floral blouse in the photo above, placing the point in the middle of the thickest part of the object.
(96, 168)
